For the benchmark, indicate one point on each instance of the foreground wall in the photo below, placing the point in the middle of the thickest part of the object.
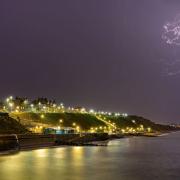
(15, 142)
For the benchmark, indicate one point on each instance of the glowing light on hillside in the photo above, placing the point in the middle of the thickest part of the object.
(149, 129)
(133, 121)
(26, 102)
(42, 116)
(91, 111)
(125, 114)
(11, 97)
(11, 105)
(7, 100)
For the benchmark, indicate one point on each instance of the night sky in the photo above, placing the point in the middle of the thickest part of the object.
(101, 54)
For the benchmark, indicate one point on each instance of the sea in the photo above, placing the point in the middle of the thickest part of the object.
(134, 158)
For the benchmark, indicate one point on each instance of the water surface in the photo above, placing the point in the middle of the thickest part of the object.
(138, 158)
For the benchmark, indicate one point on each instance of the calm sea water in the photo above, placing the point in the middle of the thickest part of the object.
(136, 158)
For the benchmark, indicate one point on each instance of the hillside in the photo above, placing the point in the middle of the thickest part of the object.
(136, 121)
(9, 125)
(84, 121)
(19, 122)
(88, 121)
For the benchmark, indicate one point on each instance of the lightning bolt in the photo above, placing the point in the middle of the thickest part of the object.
(171, 36)
(171, 32)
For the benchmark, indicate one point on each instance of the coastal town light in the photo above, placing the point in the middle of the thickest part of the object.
(77, 128)
(149, 129)
(116, 114)
(123, 131)
(11, 105)
(133, 121)
(26, 102)
(7, 100)
(11, 97)
(42, 116)
(91, 111)
(83, 110)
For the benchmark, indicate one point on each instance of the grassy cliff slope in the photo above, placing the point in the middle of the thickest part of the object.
(9, 125)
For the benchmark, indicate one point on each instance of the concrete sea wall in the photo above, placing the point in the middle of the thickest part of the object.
(15, 142)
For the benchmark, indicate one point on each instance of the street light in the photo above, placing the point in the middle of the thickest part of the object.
(11, 97)
(42, 116)
(11, 105)
(32, 105)
(78, 128)
(149, 129)
(61, 120)
(26, 102)
(91, 111)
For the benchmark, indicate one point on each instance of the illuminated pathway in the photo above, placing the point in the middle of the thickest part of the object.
(106, 122)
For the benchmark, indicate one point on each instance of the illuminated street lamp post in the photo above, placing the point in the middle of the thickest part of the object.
(61, 122)
(11, 106)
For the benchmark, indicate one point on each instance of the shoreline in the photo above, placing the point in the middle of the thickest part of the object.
(86, 141)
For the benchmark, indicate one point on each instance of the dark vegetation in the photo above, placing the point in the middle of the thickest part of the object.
(9, 125)
(85, 121)
(136, 121)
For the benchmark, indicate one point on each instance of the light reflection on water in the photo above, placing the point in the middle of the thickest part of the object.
(127, 159)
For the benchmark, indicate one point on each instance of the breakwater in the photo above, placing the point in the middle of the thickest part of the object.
(33, 141)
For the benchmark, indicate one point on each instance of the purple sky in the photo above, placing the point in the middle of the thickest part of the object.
(102, 54)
